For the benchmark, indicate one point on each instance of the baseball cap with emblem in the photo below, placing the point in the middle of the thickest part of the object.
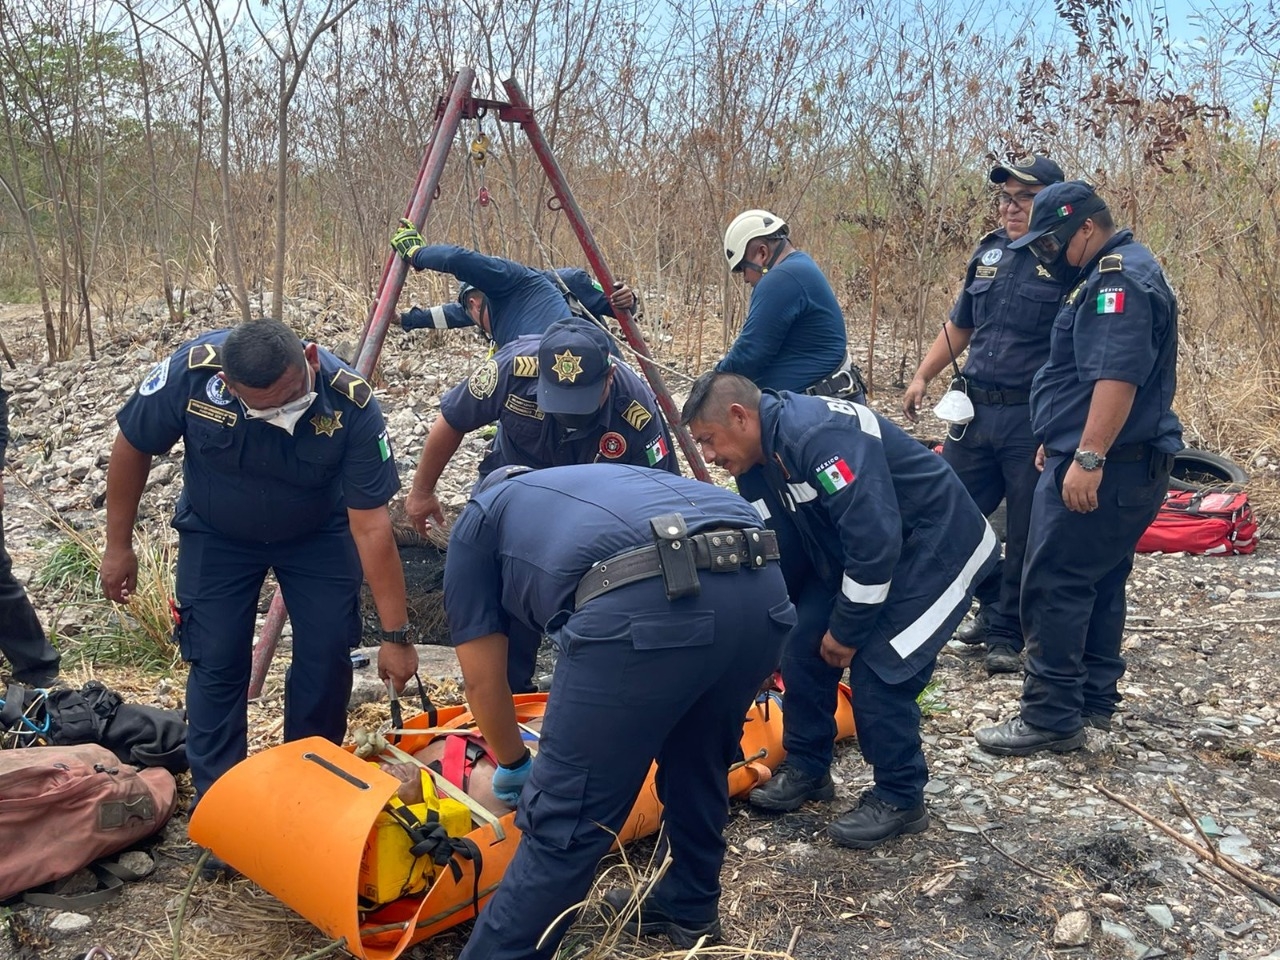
(1056, 214)
(1030, 169)
(573, 360)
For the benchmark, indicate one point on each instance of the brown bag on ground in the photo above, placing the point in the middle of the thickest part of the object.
(64, 807)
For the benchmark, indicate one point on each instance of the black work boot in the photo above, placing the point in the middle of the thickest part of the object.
(1002, 658)
(1097, 721)
(973, 630)
(788, 788)
(649, 919)
(1017, 738)
(873, 821)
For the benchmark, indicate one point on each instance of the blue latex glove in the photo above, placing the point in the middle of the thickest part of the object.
(509, 781)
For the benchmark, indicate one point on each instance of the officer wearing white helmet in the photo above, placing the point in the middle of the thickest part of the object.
(794, 336)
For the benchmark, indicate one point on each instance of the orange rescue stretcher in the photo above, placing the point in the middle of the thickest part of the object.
(301, 820)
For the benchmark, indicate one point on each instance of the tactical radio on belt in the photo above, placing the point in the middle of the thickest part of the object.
(678, 557)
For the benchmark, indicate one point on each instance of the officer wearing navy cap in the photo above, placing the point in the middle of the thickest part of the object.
(558, 399)
(286, 466)
(668, 606)
(892, 535)
(1101, 409)
(1003, 317)
(503, 298)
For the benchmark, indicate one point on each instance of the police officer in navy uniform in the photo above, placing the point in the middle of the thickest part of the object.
(891, 532)
(559, 399)
(1003, 317)
(31, 656)
(668, 607)
(1102, 410)
(286, 466)
(503, 298)
(586, 298)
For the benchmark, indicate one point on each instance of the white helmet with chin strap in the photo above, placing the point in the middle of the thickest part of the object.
(747, 226)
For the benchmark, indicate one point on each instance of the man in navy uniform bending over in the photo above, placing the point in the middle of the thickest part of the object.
(665, 598)
(894, 538)
(286, 466)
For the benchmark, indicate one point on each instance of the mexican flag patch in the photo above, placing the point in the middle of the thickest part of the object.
(655, 451)
(835, 476)
(1111, 301)
(1064, 210)
(384, 446)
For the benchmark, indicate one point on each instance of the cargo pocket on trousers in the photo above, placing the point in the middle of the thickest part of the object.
(551, 811)
(183, 633)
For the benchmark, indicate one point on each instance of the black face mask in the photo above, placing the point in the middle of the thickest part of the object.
(576, 421)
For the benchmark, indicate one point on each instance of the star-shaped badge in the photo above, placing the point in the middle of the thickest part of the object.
(567, 367)
(327, 425)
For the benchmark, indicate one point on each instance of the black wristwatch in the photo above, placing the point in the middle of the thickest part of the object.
(1089, 460)
(399, 637)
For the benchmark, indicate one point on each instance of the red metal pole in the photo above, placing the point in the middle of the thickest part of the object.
(564, 197)
(384, 310)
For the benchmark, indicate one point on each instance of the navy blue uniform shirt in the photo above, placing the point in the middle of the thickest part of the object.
(583, 292)
(522, 300)
(1119, 323)
(250, 480)
(1009, 301)
(794, 334)
(628, 428)
(499, 571)
(888, 525)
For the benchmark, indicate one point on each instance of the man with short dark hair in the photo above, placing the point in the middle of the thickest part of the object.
(892, 535)
(559, 399)
(659, 662)
(1003, 317)
(1101, 408)
(286, 467)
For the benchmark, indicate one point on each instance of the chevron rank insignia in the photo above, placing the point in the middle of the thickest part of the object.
(524, 366)
(637, 415)
(1111, 263)
(352, 387)
(326, 424)
(204, 355)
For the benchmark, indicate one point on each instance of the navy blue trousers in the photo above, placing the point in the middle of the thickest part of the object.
(22, 639)
(1073, 602)
(995, 460)
(218, 584)
(887, 715)
(639, 678)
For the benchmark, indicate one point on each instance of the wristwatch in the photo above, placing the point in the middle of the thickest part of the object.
(399, 637)
(1089, 460)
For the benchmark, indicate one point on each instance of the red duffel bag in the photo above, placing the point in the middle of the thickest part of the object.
(1202, 521)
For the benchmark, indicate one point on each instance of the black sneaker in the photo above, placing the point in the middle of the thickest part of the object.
(972, 631)
(788, 788)
(646, 920)
(873, 821)
(1002, 658)
(1017, 738)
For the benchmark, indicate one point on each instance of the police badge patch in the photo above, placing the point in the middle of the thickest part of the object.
(216, 390)
(992, 257)
(327, 425)
(156, 378)
(612, 445)
(484, 380)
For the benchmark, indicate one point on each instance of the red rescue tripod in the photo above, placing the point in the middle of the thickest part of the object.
(453, 108)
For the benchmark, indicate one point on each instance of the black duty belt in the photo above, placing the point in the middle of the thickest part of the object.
(998, 398)
(845, 382)
(1129, 453)
(720, 551)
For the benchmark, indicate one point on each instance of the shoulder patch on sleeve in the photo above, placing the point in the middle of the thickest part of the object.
(204, 355)
(1111, 263)
(484, 380)
(354, 388)
(637, 415)
(156, 378)
(522, 407)
(524, 366)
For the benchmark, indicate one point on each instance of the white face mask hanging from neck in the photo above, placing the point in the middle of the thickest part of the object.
(285, 417)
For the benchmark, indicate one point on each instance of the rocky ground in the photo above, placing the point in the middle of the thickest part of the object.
(1077, 855)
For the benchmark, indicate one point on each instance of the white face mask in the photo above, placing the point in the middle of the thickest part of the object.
(285, 417)
(954, 407)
